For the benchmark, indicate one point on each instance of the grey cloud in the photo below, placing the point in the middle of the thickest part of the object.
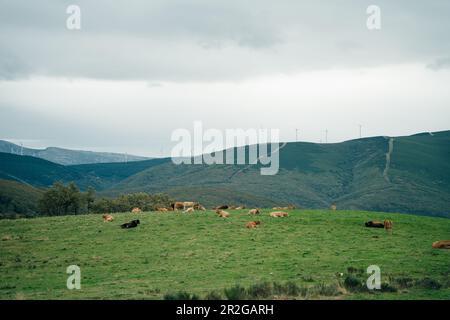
(439, 64)
(201, 40)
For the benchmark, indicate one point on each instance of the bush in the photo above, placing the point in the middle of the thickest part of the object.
(236, 293)
(327, 290)
(260, 290)
(352, 283)
(404, 282)
(428, 283)
(386, 287)
(214, 295)
(180, 295)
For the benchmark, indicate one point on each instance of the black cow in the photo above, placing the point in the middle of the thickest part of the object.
(374, 224)
(132, 224)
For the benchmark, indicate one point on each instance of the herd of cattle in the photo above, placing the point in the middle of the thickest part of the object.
(190, 206)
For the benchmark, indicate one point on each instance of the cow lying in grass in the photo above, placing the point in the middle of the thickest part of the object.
(107, 218)
(279, 214)
(374, 224)
(136, 210)
(252, 224)
(442, 244)
(132, 224)
(222, 214)
(221, 207)
(254, 211)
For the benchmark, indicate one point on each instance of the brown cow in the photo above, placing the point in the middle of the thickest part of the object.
(222, 214)
(183, 205)
(198, 206)
(136, 210)
(162, 209)
(388, 225)
(107, 218)
(254, 211)
(441, 244)
(279, 214)
(252, 224)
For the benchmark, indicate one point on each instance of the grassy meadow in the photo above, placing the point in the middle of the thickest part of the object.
(200, 253)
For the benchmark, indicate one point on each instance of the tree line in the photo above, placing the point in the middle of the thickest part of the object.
(63, 199)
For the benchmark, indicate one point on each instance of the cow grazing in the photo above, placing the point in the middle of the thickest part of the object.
(388, 225)
(222, 214)
(107, 218)
(374, 224)
(279, 214)
(252, 224)
(254, 211)
(131, 224)
(441, 244)
(136, 210)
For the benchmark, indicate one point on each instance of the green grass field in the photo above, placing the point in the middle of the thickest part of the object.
(200, 253)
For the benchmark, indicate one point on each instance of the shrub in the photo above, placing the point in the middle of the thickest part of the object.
(428, 283)
(327, 290)
(260, 290)
(180, 295)
(236, 293)
(386, 287)
(404, 282)
(352, 283)
(214, 295)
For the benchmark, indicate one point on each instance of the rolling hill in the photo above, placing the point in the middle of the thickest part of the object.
(400, 174)
(67, 156)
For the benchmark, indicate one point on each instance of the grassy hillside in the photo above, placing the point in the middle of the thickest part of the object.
(200, 253)
(401, 174)
(18, 198)
(354, 175)
(34, 171)
(67, 156)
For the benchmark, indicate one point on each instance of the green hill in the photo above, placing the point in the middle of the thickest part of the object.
(67, 156)
(18, 199)
(314, 254)
(401, 174)
(353, 175)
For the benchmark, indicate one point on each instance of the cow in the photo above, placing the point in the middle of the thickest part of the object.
(224, 207)
(279, 214)
(198, 206)
(254, 211)
(131, 224)
(240, 208)
(136, 210)
(333, 207)
(183, 205)
(107, 218)
(189, 210)
(222, 214)
(162, 209)
(374, 224)
(252, 224)
(388, 225)
(441, 244)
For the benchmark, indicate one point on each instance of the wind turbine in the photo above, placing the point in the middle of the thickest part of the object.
(360, 128)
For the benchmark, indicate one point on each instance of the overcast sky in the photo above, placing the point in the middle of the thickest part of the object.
(137, 70)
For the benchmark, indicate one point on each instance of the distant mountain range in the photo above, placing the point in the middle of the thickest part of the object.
(67, 156)
(400, 174)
